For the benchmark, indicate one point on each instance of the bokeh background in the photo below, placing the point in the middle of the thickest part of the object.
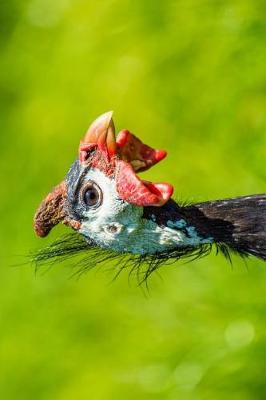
(188, 76)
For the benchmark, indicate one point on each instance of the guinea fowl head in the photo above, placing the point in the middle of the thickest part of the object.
(103, 198)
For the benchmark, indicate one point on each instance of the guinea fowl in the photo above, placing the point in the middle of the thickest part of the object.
(115, 213)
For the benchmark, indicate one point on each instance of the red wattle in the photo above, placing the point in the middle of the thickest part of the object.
(162, 190)
(140, 155)
(122, 137)
(131, 189)
(159, 155)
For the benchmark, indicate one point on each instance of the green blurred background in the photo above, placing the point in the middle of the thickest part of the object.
(188, 76)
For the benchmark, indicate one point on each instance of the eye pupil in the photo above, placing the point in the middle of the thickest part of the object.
(92, 195)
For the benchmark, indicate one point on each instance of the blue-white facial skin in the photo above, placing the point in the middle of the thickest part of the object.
(120, 226)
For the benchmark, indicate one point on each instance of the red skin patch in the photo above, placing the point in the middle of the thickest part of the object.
(101, 159)
(141, 193)
(131, 156)
(84, 150)
(140, 155)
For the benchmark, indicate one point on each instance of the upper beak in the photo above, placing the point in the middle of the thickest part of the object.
(102, 133)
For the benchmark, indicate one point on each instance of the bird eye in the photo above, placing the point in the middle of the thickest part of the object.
(92, 195)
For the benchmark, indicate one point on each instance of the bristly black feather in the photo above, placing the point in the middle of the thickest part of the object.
(236, 225)
(140, 266)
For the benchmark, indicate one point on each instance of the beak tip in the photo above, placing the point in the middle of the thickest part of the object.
(99, 127)
(106, 118)
(102, 133)
(109, 113)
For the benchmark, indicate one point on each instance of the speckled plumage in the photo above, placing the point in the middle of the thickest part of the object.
(138, 217)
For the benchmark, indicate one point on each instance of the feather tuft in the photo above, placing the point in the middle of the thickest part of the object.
(68, 247)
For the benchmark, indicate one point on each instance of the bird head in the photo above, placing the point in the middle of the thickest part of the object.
(103, 198)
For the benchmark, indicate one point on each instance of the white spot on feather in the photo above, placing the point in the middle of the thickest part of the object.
(180, 223)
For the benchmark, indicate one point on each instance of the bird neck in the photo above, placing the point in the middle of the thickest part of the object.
(184, 220)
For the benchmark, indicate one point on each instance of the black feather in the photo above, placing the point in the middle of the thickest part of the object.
(69, 247)
(240, 223)
(237, 225)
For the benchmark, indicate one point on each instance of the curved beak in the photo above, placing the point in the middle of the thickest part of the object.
(102, 133)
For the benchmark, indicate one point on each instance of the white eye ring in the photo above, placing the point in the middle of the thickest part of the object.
(91, 195)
